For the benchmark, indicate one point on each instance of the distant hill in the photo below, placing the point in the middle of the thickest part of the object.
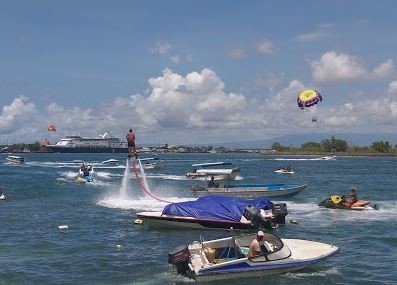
(298, 140)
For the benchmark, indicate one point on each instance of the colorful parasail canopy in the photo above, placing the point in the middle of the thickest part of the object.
(308, 98)
(51, 128)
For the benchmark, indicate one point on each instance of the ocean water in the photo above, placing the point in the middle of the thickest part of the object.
(104, 246)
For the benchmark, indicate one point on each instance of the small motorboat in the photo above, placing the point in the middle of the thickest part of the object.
(226, 258)
(269, 190)
(329, 157)
(15, 159)
(284, 171)
(338, 202)
(2, 197)
(200, 171)
(111, 162)
(152, 163)
(218, 212)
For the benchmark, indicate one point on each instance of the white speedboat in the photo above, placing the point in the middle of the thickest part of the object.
(111, 162)
(2, 196)
(284, 171)
(226, 258)
(329, 157)
(15, 159)
(152, 163)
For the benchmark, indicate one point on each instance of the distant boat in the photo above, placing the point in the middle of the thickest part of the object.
(201, 172)
(111, 162)
(329, 157)
(15, 159)
(284, 171)
(270, 190)
(151, 163)
(104, 143)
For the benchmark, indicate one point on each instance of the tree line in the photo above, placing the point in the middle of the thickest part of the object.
(336, 145)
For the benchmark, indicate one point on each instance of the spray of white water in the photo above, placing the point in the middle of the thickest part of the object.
(123, 199)
(124, 183)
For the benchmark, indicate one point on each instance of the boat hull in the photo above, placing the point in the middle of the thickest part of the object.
(155, 219)
(249, 274)
(62, 149)
(85, 179)
(250, 192)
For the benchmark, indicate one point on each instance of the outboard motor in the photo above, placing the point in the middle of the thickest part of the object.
(179, 257)
(253, 214)
(279, 212)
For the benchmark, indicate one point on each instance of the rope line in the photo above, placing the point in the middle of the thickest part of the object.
(142, 184)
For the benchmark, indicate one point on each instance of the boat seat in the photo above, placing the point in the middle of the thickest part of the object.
(198, 257)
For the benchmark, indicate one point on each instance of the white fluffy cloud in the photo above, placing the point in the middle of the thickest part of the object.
(393, 87)
(385, 70)
(333, 67)
(265, 47)
(195, 108)
(17, 115)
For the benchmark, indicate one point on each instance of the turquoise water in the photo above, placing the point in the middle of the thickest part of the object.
(103, 246)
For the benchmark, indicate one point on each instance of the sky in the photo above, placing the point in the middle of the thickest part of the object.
(196, 72)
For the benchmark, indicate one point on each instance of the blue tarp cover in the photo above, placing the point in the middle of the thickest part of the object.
(215, 208)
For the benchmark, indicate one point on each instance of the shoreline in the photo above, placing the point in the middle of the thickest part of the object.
(261, 152)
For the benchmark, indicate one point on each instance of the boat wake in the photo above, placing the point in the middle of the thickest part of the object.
(320, 273)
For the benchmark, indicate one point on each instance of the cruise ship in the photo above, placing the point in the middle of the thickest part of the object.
(102, 143)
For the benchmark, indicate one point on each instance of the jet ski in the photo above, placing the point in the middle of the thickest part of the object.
(338, 202)
(85, 175)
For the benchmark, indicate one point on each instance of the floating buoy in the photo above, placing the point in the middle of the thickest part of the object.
(294, 221)
(63, 227)
(138, 222)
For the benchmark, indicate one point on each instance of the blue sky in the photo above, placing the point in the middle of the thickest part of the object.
(188, 72)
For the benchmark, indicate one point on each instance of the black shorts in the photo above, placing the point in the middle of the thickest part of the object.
(131, 144)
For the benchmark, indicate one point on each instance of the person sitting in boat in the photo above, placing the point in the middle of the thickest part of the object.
(289, 168)
(353, 195)
(256, 246)
(212, 183)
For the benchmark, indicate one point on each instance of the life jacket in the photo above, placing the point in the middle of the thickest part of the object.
(130, 137)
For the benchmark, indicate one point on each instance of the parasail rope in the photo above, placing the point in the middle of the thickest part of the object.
(141, 182)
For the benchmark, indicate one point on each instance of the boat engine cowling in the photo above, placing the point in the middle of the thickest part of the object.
(253, 214)
(179, 257)
(279, 212)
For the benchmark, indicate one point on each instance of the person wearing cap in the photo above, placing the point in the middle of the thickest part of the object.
(255, 246)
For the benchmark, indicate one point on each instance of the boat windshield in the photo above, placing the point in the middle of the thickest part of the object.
(275, 247)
